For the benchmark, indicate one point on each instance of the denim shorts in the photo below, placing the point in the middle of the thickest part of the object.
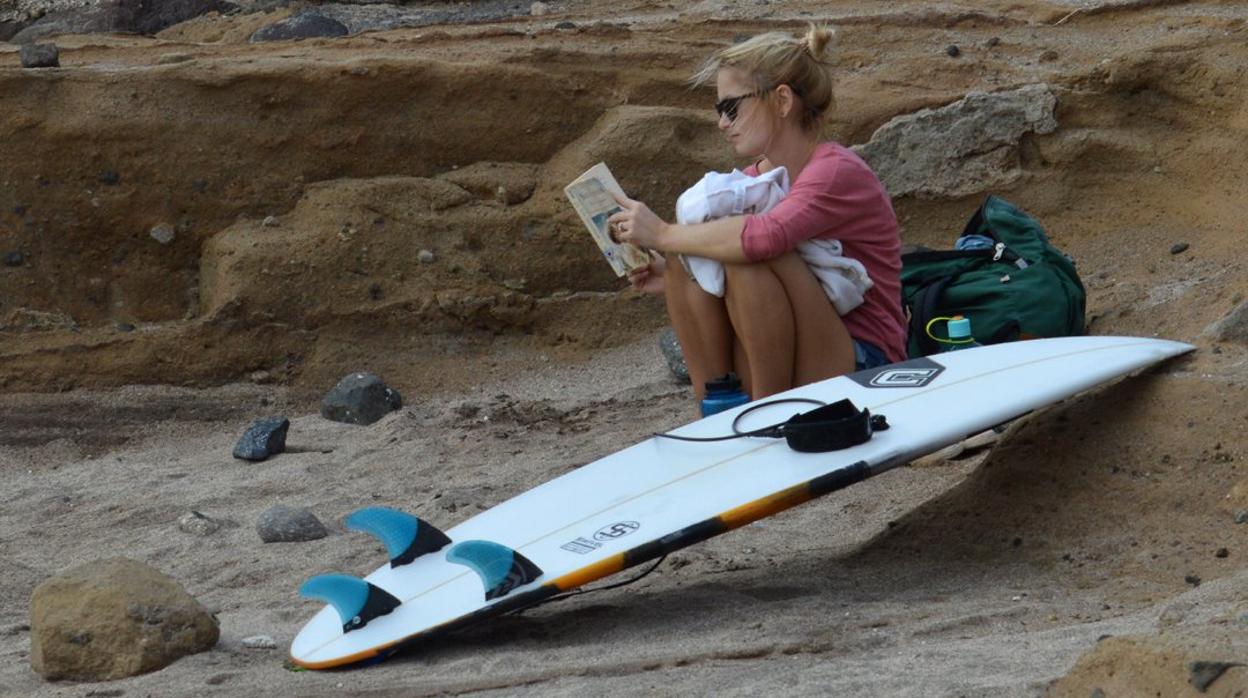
(867, 355)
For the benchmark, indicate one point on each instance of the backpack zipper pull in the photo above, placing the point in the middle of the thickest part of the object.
(1000, 250)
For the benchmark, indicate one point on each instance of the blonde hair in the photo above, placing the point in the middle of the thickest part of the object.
(775, 58)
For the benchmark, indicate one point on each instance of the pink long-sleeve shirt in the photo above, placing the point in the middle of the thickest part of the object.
(838, 197)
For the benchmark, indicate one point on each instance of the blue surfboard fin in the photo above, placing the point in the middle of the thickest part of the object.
(500, 568)
(405, 536)
(356, 600)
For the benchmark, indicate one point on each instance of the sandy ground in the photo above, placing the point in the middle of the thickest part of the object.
(1082, 553)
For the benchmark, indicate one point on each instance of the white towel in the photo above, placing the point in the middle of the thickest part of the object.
(718, 195)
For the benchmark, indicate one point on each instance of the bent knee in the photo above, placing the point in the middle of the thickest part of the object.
(748, 273)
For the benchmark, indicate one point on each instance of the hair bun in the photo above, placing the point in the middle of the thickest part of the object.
(817, 40)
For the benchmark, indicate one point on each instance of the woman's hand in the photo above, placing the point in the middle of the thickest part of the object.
(649, 279)
(637, 224)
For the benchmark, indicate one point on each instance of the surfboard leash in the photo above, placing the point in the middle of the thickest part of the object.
(828, 427)
(578, 592)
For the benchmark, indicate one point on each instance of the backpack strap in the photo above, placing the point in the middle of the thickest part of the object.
(924, 309)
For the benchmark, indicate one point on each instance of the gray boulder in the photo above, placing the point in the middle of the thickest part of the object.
(281, 524)
(40, 56)
(111, 619)
(360, 398)
(964, 148)
(264, 438)
(305, 25)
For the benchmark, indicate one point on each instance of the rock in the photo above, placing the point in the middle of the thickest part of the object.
(1233, 327)
(1179, 248)
(14, 258)
(953, 51)
(260, 642)
(1048, 56)
(670, 346)
(40, 56)
(539, 9)
(271, 222)
(1203, 673)
(111, 619)
(964, 148)
(110, 177)
(264, 438)
(305, 25)
(1222, 552)
(565, 25)
(282, 524)
(163, 233)
(360, 398)
(425, 256)
(197, 524)
(1192, 579)
(125, 327)
(1241, 516)
(129, 16)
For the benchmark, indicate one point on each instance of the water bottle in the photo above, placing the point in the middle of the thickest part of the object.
(960, 337)
(723, 393)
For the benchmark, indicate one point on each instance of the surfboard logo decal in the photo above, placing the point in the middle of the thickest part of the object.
(616, 530)
(914, 373)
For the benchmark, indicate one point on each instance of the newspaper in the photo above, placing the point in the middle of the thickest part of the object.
(591, 196)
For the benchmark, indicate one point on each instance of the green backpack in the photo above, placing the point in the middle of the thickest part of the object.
(1020, 288)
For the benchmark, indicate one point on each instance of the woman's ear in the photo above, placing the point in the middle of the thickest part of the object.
(787, 100)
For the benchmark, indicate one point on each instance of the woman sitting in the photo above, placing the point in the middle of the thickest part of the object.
(774, 325)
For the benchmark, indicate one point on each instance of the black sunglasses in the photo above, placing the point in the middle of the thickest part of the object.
(728, 106)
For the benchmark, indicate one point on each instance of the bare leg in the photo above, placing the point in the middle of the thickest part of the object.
(702, 326)
(788, 329)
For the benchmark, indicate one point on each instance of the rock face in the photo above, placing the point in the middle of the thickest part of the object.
(304, 25)
(264, 438)
(114, 618)
(360, 398)
(964, 148)
(113, 16)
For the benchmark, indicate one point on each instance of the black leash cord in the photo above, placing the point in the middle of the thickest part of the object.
(771, 431)
(578, 592)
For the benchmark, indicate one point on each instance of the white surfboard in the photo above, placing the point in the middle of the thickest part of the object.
(662, 495)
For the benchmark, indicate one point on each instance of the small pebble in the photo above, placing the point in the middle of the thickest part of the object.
(260, 642)
(110, 177)
(14, 259)
(993, 42)
(953, 51)
(270, 222)
(565, 25)
(425, 256)
(539, 9)
(125, 327)
(1048, 56)
(1179, 247)
(281, 524)
(1222, 552)
(1192, 579)
(197, 524)
(1241, 516)
(163, 233)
